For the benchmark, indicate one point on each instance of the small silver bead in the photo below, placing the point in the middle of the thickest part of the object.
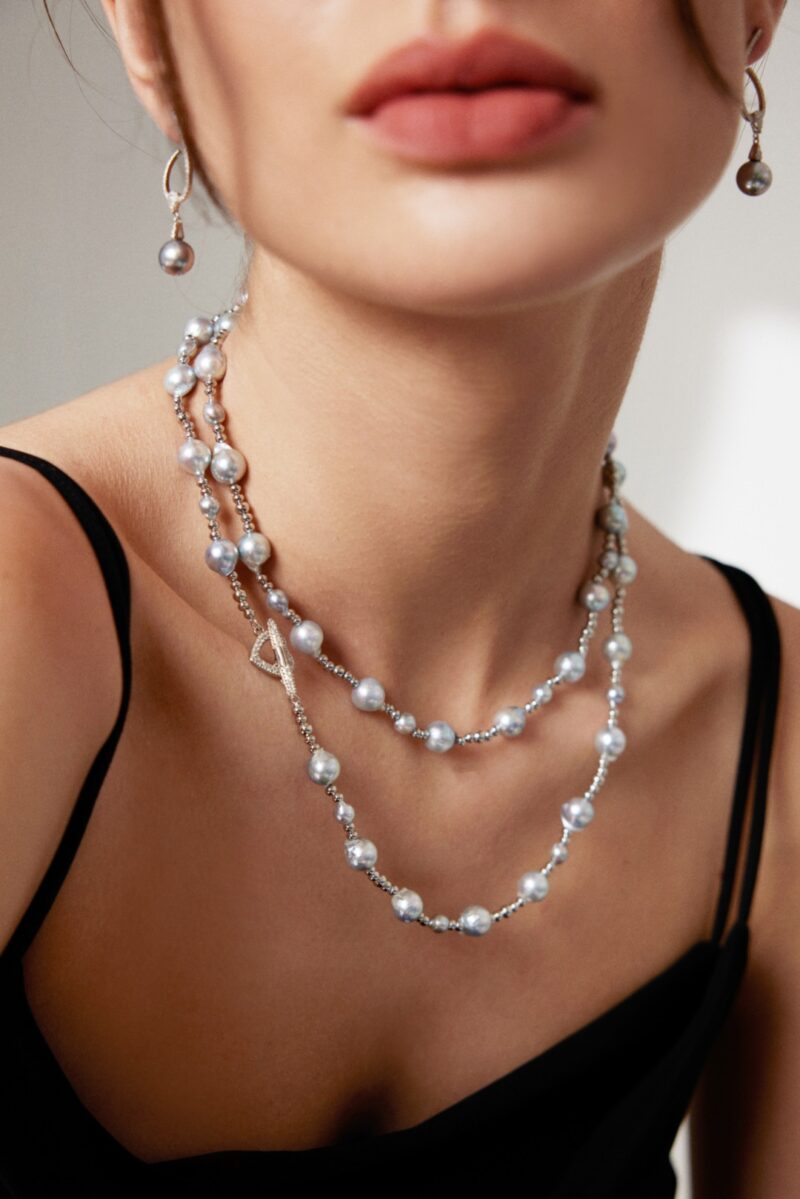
(559, 853)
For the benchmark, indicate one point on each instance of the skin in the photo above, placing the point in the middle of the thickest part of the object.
(443, 352)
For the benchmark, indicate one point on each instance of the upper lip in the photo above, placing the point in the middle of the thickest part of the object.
(490, 56)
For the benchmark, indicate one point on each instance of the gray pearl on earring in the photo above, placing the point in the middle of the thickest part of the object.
(753, 177)
(176, 256)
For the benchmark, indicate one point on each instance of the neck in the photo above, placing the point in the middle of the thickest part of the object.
(429, 482)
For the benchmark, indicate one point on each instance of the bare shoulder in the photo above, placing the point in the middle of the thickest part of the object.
(746, 1108)
(113, 440)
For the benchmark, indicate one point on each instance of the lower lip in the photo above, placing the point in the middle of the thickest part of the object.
(493, 123)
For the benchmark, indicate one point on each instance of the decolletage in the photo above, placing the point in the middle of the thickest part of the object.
(595, 1114)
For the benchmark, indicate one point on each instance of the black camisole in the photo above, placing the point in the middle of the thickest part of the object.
(593, 1116)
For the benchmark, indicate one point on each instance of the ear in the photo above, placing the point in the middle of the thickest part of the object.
(143, 62)
(763, 15)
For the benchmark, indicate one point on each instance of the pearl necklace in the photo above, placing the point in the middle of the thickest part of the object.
(200, 357)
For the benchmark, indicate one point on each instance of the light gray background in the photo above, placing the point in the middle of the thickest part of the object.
(710, 426)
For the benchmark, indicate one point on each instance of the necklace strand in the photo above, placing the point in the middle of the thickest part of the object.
(200, 358)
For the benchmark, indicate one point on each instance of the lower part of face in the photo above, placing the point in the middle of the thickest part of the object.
(266, 82)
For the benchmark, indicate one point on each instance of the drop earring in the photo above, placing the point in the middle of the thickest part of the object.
(754, 176)
(176, 256)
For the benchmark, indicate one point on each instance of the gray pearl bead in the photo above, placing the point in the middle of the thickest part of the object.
(193, 456)
(440, 923)
(753, 177)
(441, 737)
(475, 920)
(224, 322)
(213, 411)
(368, 695)
(533, 885)
(187, 348)
(510, 721)
(595, 597)
(612, 443)
(616, 693)
(611, 741)
(609, 559)
(307, 637)
(179, 380)
(227, 464)
(200, 328)
(620, 472)
(254, 548)
(618, 647)
(323, 767)
(405, 723)
(612, 517)
(345, 812)
(209, 505)
(221, 555)
(626, 570)
(407, 904)
(176, 256)
(360, 853)
(210, 364)
(576, 813)
(542, 694)
(559, 853)
(570, 666)
(276, 599)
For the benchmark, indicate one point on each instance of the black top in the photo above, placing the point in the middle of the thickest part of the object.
(595, 1115)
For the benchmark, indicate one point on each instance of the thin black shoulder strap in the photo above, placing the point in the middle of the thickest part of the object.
(114, 565)
(759, 728)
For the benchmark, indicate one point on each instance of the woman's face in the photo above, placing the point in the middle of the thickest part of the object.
(266, 82)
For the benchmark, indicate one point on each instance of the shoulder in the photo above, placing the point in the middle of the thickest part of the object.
(747, 1104)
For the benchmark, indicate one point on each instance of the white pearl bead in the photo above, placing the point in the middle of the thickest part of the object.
(405, 723)
(179, 380)
(475, 920)
(612, 516)
(570, 666)
(616, 694)
(188, 348)
(618, 647)
(224, 322)
(221, 555)
(620, 471)
(407, 904)
(193, 456)
(595, 597)
(610, 741)
(627, 570)
(307, 637)
(345, 812)
(361, 854)
(441, 737)
(276, 599)
(200, 328)
(542, 694)
(227, 464)
(609, 559)
(533, 885)
(209, 505)
(213, 411)
(210, 364)
(559, 853)
(368, 695)
(323, 767)
(440, 923)
(254, 548)
(510, 721)
(576, 813)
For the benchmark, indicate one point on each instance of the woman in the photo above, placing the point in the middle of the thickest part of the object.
(442, 314)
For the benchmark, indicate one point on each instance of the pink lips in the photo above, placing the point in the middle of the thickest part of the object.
(487, 97)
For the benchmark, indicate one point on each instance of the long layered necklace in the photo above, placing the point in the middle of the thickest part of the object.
(201, 358)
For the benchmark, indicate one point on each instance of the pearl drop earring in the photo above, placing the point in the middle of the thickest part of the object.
(754, 176)
(176, 256)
